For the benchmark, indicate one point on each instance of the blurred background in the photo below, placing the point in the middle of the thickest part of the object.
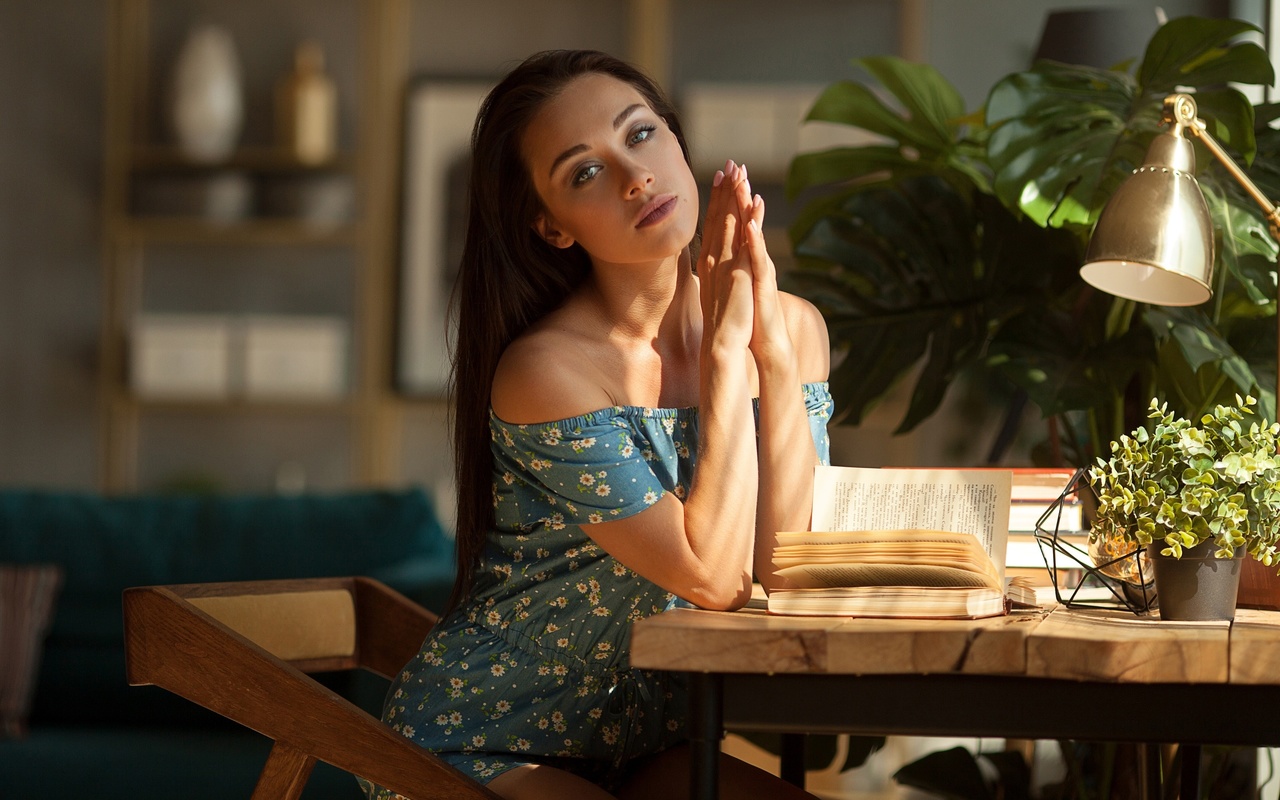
(256, 319)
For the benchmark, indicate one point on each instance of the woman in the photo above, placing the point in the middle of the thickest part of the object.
(593, 370)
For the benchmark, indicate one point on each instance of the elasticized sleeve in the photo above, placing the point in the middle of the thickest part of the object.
(817, 401)
(579, 471)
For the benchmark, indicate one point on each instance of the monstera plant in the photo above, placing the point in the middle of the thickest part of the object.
(951, 247)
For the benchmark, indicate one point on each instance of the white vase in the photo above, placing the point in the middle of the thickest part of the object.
(208, 101)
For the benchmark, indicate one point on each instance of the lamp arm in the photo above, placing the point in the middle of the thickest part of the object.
(1180, 110)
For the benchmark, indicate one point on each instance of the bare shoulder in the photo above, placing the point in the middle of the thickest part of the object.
(809, 335)
(543, 376)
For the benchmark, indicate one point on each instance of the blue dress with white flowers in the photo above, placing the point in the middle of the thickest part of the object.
(533, 667)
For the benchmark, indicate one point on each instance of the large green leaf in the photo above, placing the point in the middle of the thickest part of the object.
(1061, 359)
(925, 133)
(1198, 368)
(1229, 118)
(853, 104)
(921, 274)
(1198, 342)
(1254, 338)
(1062, 140)
(1196, 51)
(930, 106)
(1245, 248)
(899, 243)
(847, 163)
(928, 98)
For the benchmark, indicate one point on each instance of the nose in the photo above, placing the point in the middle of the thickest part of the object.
(637, 178)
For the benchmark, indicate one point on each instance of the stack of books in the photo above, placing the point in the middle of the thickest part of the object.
(1034, 491)
(1034, 501)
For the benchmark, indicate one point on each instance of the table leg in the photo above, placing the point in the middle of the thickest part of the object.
(1190, 786)
(793, 759)
(706, 729)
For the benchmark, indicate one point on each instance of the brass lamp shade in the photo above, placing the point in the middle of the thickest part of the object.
(1154, 239)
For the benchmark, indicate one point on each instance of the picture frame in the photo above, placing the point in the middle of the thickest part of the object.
(439, 115)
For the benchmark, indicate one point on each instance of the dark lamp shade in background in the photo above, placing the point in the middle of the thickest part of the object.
(1105, 37)
(1154, 239)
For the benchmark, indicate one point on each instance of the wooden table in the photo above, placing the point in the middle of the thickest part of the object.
(1063, 674)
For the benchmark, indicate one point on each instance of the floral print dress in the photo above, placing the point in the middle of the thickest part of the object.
(533, 667)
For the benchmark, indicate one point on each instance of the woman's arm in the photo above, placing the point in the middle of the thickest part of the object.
(702, 549)
(720, 512)
(787, 453)
(790, 346)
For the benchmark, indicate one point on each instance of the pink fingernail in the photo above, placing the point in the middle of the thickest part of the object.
(718, 178)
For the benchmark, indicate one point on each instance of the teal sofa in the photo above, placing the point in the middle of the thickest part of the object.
(89, 734)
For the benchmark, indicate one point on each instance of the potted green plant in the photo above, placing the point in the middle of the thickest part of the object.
(951, 247)
(1198, 497)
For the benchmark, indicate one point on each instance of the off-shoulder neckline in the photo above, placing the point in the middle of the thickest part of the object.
(631, 412)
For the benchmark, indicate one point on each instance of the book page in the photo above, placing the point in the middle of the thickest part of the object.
(973, 501)
(817, 576)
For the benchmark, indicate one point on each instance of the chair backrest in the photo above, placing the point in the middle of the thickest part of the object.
(243, 650)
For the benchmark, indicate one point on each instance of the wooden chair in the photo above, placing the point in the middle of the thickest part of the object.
(242, 650)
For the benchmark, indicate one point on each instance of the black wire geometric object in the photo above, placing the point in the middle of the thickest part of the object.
(1114, 577)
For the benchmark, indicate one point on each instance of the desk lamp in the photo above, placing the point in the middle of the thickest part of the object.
(1154, 239)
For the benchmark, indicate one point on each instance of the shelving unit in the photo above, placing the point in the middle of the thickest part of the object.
(133, 152)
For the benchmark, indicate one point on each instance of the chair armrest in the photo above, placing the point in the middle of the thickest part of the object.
(390, 628)
(172, 644)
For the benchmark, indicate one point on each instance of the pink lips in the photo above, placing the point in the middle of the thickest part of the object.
(658, 209)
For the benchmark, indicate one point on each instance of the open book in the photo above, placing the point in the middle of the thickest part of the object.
(899, 543)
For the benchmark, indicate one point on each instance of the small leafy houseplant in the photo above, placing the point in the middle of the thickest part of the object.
(1180, 485)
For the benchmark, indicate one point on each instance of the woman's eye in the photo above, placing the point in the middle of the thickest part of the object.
(585, 174)
(642, 134)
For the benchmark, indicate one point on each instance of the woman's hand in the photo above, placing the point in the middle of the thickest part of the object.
(724, 269)
(771, 343)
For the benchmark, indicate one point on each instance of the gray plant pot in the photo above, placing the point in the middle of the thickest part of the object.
(1196, 586)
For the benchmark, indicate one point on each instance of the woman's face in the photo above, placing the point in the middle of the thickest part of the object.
(610, 173)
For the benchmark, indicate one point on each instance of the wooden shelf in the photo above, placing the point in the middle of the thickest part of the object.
(237, 406)
(261, 231)
(165, 159)
(419, 402)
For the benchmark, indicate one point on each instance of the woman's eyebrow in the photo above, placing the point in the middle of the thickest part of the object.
(626, 112)
(578, 148)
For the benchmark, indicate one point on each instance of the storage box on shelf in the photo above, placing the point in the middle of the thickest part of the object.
(294, 357)
(213, 357)
(181, 356)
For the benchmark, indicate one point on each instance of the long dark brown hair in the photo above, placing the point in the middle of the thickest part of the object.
(509, 276)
